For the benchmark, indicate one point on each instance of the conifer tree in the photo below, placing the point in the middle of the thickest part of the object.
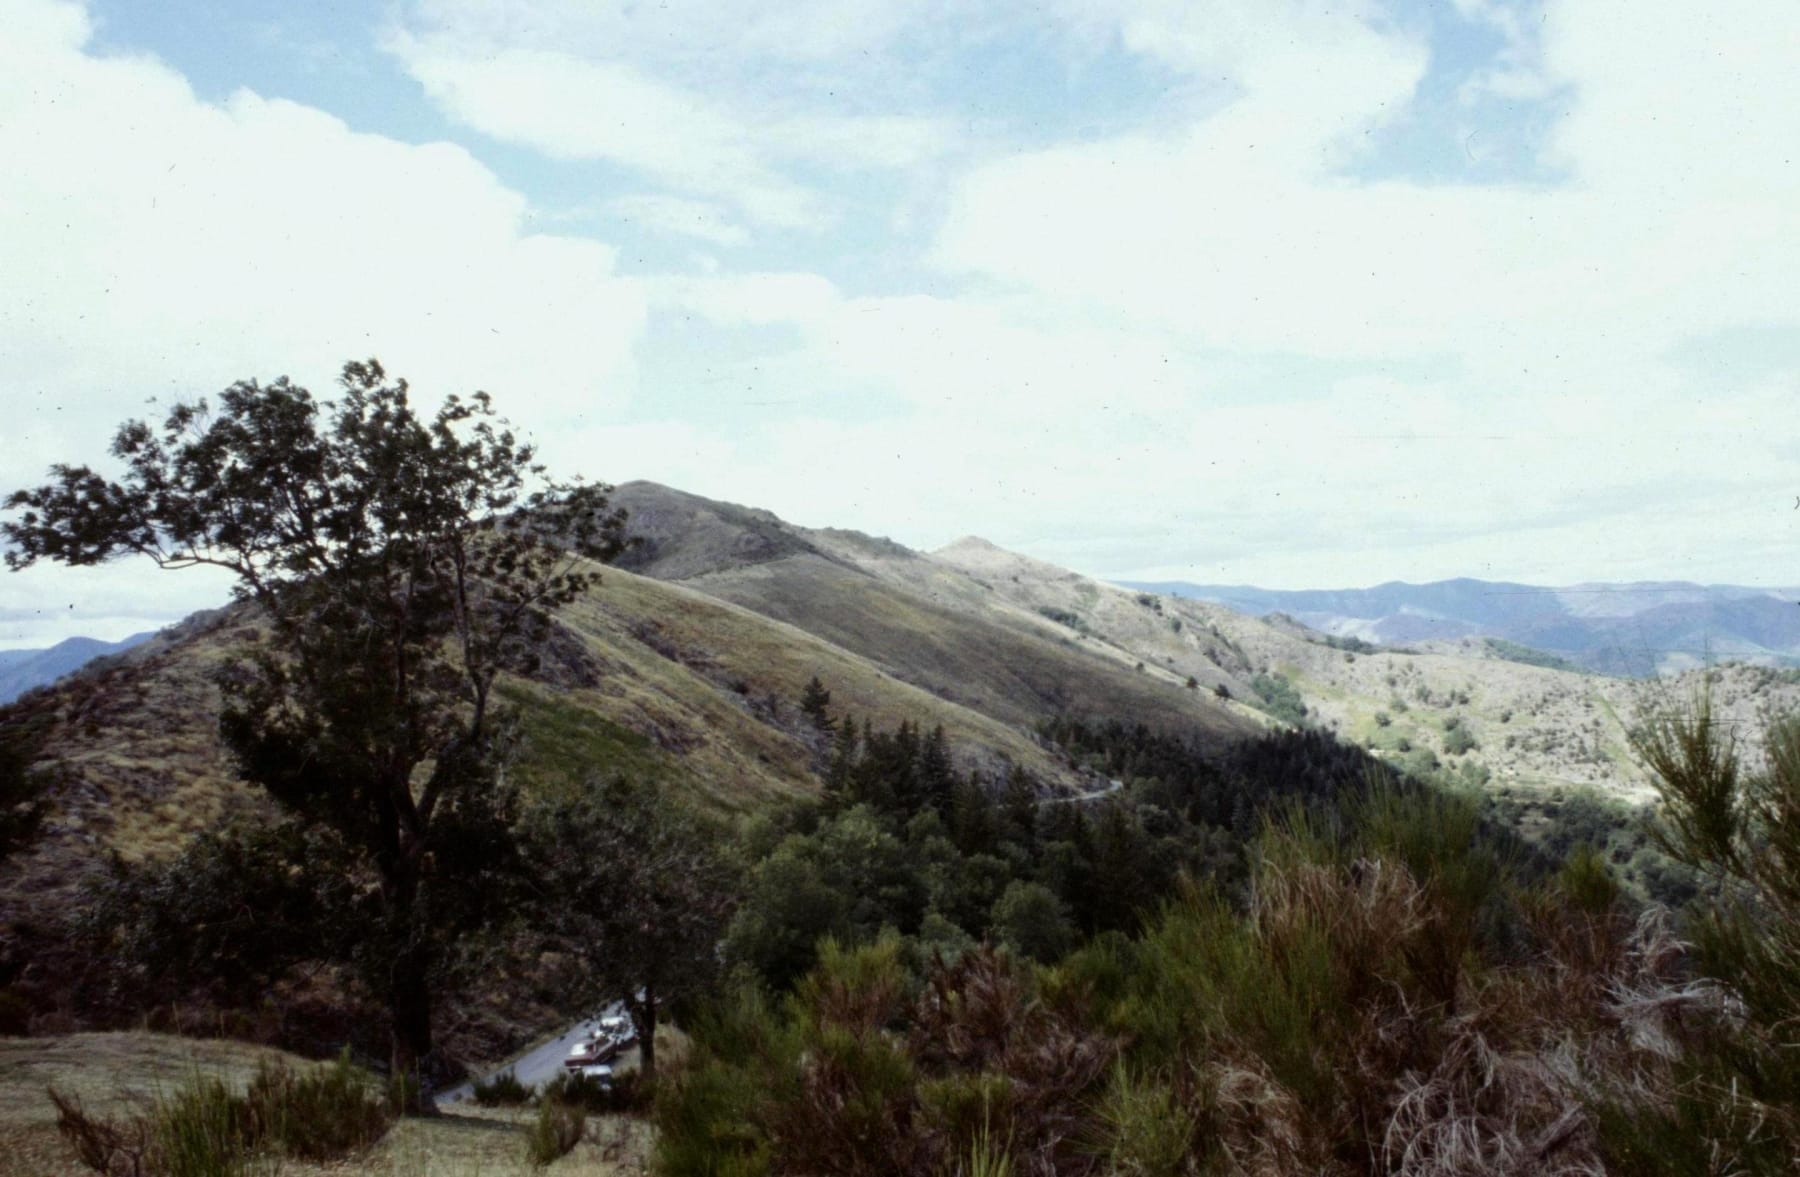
(815, 703)
(937, 776)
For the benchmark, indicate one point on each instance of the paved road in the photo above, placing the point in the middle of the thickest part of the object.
(1110, 788)
(543, 1061)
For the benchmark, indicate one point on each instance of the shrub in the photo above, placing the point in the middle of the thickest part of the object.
(1458, 740)
(1147, 1130)
(554, 1133)
(115, 1148)
(318, 1115)
(202, 1129)
(503, 1090)
(625, 1092)
(1031, 920)
(1280, 698)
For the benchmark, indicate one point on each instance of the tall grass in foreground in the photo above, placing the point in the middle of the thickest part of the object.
(203, 1129)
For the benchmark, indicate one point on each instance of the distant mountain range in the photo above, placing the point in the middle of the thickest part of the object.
(21, 670)
(1627, 629)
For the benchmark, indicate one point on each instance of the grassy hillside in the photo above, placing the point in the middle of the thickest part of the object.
(924, 619)
(1532, 727)
(646, 678)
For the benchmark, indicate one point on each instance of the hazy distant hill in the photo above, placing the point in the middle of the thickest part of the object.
(21, 670)
(1632, 629)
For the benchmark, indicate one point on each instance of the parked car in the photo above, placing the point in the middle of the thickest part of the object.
(599, 1073)
(620, 1029)
(598, 1048)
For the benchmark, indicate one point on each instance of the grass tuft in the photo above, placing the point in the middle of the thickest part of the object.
(554, 1133)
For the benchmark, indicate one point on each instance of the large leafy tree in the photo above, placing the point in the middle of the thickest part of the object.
(399, 562)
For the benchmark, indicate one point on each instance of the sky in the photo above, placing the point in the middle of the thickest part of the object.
(1250, 291)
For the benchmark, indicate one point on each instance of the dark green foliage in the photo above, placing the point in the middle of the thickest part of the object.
(503, 1090)
(815, 704)
(1029, 919)
(226, 917)
(1514, 652)
(1007, 866)
(1737, 1105)
(1390, 987)
(1063, 617)
(1458, 740)
(1280, 698)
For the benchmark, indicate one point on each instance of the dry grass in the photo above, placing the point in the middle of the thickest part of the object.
(116, 1074)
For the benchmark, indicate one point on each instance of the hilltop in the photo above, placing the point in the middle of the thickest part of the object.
(24, 670)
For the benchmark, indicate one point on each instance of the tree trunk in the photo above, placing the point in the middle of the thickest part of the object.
(409, 1007)
(643, 1020)
(408, 988)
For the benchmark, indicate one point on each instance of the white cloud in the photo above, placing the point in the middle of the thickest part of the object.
(160, 245)
(673, 214)
(1237, 229)
(569, 108)
(1215, 341)
(659, 91)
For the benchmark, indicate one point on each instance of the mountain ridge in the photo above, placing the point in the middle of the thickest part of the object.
(27, 669)
(1633, 628)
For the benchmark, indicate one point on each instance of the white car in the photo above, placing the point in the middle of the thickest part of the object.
(591, 1051)
(598, 1073)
